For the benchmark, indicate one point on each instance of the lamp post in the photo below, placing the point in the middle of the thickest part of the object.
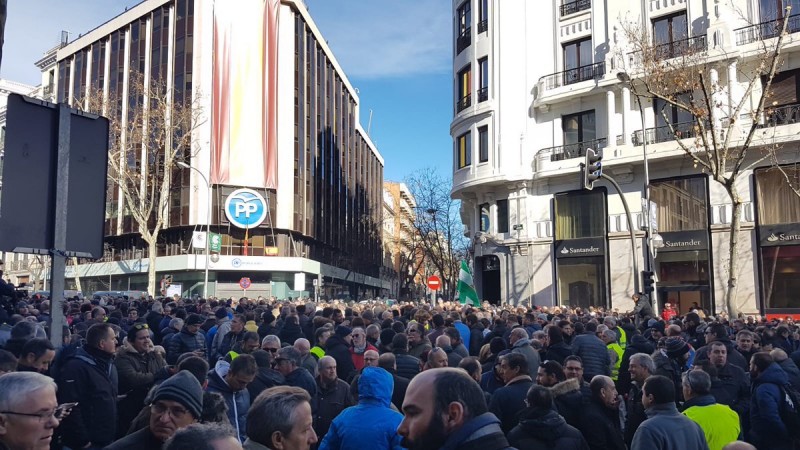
(208, 223)
(650, 259)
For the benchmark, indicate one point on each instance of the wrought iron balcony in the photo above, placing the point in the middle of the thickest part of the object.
(576, 75)
(679, 48)
(766, 30)
(483, 94)
(463, 40)
(655, 135)
(463, 103)
(567, 151)
(782, 115)
(483, 25)
(575, 6)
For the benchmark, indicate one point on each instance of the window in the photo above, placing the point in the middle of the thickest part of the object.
(776, 9)
(777, 203)
(576, 54)
(674, 115)
(502, 216)
(579, 127)
(483, 79)
(464, 89)
(485, 217)
(670, 35)
(681, 204)
(464, 150)
(483, 16)
(580, 215)
(483, 143)
(463, 24)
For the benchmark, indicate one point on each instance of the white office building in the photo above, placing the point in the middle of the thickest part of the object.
(535, 84)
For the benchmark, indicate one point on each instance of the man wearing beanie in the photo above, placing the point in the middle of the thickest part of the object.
(177, 403)
(189, 339)
(338, 346)
(671, 361)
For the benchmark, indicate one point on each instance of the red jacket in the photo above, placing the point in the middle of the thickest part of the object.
(358, 358)
(668, 313)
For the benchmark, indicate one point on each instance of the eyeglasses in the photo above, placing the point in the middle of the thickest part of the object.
(58, 413)
(175, 412)
(357, 335)
(141, 326)
(271, 350)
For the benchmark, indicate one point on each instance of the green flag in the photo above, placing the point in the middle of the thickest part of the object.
(466, 291)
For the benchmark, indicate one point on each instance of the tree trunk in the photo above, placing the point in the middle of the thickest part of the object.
(733, 251)
(77, 275)
(151, 269)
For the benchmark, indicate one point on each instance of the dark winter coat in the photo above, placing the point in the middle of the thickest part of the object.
(153, 320)
(736, 386)
(509, 400)
(767, 430)
(593, 353)
(490, 382)
(669, 368)
(416, 350)
(301, 378)
(230, 341)
(643, 311)
(475, 339)
(480, 433)
(569, 400)
(136, 441)
(265, 379)
(337, 348)
(523, 347)
(792, 372)
(667, 429)
(407, 365)
(291, 332)
(636, 344)
(184, 342)
(238, 402)
(558, 352)
(734, 357)
(265, 329)
(90, 378)
(636, 413)
(544, 429)
(137, 374)
(328, 403)
(600, 427)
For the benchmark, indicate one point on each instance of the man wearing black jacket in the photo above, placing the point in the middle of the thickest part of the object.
(90, 378)
(338, 346)
(333, 396)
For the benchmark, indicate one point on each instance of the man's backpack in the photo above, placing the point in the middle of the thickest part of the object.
(790, 410)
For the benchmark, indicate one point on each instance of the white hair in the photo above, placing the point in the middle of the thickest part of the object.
(17, 387)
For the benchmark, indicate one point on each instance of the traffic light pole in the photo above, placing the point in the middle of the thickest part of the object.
(630, 229)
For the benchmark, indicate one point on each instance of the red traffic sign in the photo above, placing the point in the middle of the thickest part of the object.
(244, 283)
(434, 283)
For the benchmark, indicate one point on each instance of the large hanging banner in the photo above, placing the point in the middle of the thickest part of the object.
(244, 100)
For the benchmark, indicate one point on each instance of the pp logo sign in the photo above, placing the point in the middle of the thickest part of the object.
(245, 208)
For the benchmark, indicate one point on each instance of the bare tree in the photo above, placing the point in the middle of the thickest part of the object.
(438, 225)
(150, 130)
(725, 136)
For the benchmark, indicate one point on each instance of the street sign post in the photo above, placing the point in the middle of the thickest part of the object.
(434, 283)
(245, 284)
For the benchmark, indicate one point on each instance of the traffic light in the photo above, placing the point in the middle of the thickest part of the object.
(648, 281)
(593, 168)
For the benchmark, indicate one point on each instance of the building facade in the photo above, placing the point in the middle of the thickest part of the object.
(536, 83)
(402, 241)
(280, 120)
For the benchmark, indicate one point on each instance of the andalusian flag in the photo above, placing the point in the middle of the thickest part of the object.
(466, 290)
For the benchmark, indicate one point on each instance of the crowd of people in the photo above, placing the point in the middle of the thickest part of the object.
(259, 373)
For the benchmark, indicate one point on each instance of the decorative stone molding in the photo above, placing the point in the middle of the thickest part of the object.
(576, 29)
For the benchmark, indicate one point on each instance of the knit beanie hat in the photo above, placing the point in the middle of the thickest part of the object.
(221, 313)
(183, 388)
(676, 346)
(343, 331)
(386, 337)
(195, 319)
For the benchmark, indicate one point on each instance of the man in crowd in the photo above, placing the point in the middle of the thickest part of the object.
(407, 365)
(287, 362)
(266, 377)
(321, 335)
(570, 395)
(443, 342)
(388, 362)
(89, 378)
(509, 400)
(28, 411)
(734, 382)
(593, 353)
(716, 332)
(599, 421)
(371, 423)
(231, 338)
(521, 344)
(333, 396)
(418, 343)
(280, 418)
(671, 361)
(445, 408)
(767, 429)
(204, 436)
(541, 427)
(177, 403)
(359, 347)
(745, 341)
(137, 366)
(36, 356)
(437, 358)
(223, 328)
(307, 360)
(641, 367)
(338, 346)
(549, 374)
(232, 385)
(665, 428)
(720, 423)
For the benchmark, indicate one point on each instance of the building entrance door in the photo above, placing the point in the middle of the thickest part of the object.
(490, 289)
(685, 298)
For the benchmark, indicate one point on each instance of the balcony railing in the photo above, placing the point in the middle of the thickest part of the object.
(655, 135)
(572, 7)
(576, 75)
(567, 151)
(782, 115)
(766, 30)
(483, 25)
(679, 48)
(483, 94)
(463, 103)
(463, 40)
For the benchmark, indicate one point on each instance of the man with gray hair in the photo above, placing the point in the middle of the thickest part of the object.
(641, 367)
(281, 418)
(271, 343)
(720, 423)
(29, 411)
(521, 344)
(333, 396)
(287, 362)
(307, 360)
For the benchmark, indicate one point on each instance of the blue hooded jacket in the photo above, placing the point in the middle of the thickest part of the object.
(371, 424)
(767, 430)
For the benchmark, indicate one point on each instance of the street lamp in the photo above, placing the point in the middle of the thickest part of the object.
(184, 165)
(649, 261)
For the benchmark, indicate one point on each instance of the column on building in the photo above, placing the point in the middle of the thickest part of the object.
(626, 112)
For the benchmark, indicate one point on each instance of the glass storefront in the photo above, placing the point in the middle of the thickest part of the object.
(580, 248)
(779, 237)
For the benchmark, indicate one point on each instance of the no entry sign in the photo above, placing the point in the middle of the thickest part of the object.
(244, 283)
(434, 283)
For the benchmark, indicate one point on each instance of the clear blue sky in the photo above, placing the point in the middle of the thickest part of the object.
(396, 52)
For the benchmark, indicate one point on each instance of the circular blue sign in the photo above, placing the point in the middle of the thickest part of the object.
(245, 208)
